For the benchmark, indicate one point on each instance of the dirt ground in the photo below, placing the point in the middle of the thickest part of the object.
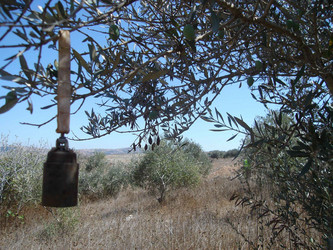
(224, 168)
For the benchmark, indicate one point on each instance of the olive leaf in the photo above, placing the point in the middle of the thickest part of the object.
(11, 100)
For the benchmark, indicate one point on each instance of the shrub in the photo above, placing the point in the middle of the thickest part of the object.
(169, 167)
(216, 154)
(99, 178)
(65, 222)
(297, 169)
(193, 149)
(96, 161)
(20, 174)
(231, 153)
(290, 155)
(115, 179)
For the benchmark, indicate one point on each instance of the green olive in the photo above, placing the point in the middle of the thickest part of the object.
(250, 81)
(114, 32)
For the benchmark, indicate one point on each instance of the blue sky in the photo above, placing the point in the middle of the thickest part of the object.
(234, 100)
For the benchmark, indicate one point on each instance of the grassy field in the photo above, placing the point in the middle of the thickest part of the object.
(199, 218)
(125, 158)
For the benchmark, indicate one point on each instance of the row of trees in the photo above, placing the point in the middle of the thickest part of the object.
(216, 154)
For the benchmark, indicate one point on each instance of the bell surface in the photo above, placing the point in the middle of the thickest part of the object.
(60, 179)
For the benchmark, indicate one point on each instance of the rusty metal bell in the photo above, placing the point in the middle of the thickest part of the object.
(60, 176)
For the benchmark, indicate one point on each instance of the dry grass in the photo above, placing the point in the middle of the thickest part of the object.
(190, 219)
(125, 158)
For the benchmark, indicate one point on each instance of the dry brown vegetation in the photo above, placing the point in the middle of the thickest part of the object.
(196, 218)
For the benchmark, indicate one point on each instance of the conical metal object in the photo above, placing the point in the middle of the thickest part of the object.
(60, 176)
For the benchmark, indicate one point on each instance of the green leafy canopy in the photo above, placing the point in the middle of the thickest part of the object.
(163, 62)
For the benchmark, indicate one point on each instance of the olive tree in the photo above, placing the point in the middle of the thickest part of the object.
(159, 65)
(162, 62)
(289, 155)
(170, 166)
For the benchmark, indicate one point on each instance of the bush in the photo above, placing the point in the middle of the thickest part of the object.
(98, 178)
(115, 179)
(96, 161)
(193, 149)
(170, 167)
(216, 154)
(289, 157)
(231, 153)
(21, 169)
(297, 169)
(64, 223)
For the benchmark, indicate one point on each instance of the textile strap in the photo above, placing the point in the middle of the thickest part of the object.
(64, 90)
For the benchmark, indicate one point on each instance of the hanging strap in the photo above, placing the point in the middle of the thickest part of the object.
(64, 91)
